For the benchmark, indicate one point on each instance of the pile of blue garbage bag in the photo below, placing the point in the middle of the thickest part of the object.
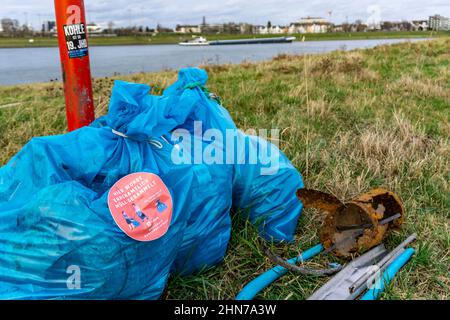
(55, 223)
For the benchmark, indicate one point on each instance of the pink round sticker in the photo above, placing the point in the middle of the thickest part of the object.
(141, 205)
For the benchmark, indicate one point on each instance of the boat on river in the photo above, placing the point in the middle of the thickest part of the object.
(201, 41)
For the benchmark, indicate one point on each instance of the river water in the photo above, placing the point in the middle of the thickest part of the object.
(28, 65)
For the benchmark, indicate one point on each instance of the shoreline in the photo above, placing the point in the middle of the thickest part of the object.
(121, 75)
(173, 39)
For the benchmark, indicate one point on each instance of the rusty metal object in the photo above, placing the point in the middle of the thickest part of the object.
(319, 200)
(343, 224)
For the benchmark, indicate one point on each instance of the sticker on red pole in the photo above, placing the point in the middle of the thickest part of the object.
(76, 40)
(141, 206)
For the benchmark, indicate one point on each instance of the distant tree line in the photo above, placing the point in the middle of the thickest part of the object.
(12, 28)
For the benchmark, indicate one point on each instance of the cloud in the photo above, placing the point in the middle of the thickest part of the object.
(172, 12)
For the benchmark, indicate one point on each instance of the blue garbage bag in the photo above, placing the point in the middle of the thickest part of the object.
(56, 219)
(55, 223)
(208, 228)
(265, 190)
(264, 180)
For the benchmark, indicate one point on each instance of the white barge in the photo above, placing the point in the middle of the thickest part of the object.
(200, 41)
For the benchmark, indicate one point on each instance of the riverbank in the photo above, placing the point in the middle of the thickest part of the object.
(34, 65)
(350, 121)
(176, 38)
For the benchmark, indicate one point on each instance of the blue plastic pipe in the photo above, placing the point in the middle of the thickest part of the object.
(375, 291)
(258, 284)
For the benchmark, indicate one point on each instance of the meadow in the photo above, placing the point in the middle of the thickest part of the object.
(350, 122)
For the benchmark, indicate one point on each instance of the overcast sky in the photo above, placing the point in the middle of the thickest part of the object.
(172, 12)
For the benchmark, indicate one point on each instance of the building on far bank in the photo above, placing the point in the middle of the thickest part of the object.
(49, 26)
(439, 23)
(188, 28)
(271, 30)
(219, 28)
(215, 28)
(310, 25)
(420, 25)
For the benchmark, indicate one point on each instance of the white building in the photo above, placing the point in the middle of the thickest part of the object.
(439, 23)
(310, 25)
(271, 30)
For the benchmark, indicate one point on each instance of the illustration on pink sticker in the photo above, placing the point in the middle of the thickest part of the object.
(141, 206)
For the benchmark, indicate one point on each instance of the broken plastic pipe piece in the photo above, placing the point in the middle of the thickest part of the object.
(362, 283)
(338, 287)
(375, 291)
(268, 277)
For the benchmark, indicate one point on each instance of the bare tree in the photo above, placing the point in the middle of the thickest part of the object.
(346, 27)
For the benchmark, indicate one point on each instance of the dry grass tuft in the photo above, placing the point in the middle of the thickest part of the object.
(211, 68)
(423, 88)
(351, 63)
(391, 147)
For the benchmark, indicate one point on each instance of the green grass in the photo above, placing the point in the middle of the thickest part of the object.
(172, 38)
(351, 121)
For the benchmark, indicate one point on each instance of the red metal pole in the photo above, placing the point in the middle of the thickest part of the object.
(76, 73)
